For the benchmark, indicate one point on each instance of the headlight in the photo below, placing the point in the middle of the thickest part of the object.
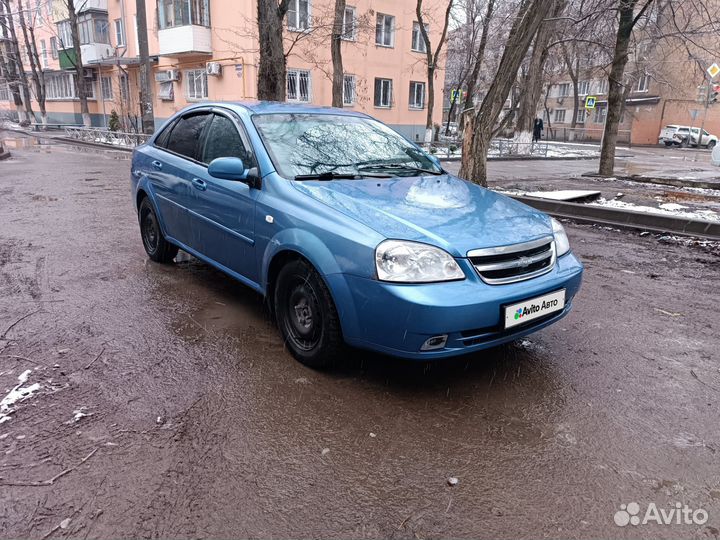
(562, 244)
(412, 262)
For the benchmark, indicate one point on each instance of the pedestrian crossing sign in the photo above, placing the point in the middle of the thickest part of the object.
(590, 102)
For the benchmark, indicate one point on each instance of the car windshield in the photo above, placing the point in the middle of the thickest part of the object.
(333, 145)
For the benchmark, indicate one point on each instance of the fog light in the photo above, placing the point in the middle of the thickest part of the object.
(435, 342)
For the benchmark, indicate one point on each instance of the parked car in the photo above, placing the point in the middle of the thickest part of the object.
(353, 234)
(684, 136)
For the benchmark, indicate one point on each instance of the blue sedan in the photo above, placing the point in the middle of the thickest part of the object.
(353, 234)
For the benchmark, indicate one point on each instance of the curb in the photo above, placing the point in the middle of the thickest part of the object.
(675, 182)
(67, 140)
(629, 219)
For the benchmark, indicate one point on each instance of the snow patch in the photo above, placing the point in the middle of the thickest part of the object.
(19, 392)
(707, 215)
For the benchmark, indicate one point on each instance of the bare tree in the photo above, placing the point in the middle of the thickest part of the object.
(477, 133)
(336, 53)
(477, 61)
(8, 66)
(77, 62)
(432, 60)
(28, 30)
(15, 58)
(273, 65)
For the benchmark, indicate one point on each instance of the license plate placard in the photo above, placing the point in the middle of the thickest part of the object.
(534, 308)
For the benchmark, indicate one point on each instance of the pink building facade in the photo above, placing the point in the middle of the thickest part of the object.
(208, 50)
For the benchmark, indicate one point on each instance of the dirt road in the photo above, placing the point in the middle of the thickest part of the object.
(167, 407)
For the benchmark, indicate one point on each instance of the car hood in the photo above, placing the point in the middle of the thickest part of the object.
(441, 210)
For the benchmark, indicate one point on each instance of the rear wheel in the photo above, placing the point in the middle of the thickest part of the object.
(711, 145)
(306, 315)
(157, 248)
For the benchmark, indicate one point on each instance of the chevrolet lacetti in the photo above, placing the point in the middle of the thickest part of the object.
(352, 233)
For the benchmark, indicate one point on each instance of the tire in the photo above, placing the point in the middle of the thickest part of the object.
(157, 248)
(668, 143)
(684, 143)
(711, 145)
(306, 315)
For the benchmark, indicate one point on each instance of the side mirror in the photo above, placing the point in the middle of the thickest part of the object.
(228, 168)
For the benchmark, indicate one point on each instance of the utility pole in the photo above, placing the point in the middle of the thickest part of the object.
(146, 98)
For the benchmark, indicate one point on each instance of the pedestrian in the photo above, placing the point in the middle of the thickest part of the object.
(537, 129)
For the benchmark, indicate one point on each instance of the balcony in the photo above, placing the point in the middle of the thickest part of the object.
(91, 5)
(185, 40)
(92, 53)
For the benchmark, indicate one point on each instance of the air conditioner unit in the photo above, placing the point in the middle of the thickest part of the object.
(166, 91)
(89, 73)
(167, 75)
(213, 68)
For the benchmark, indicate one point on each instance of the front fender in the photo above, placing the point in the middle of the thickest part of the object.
(317, 253)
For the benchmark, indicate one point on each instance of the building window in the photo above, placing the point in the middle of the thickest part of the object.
(106, 88)
(53, 48)
(602, 86)
(124, 86)
(92, 28)
(43, 53)
(196, 84)
(417, 95)
(643, 83)
(298, 15)
(173, 13)
(348, 90)
(583, 88)
(560, 116)
(383, 93)
(119, 33)
(385, 30)
(600, 113)
(563, 90)
(581, 113)
(298, 85)
(418, 43)
(60, 85)
(65, 35)
(349, 29)
(166, 91)
(4, 92)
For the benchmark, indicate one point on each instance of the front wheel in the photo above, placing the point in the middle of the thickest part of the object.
(306, 315)
(157, 248)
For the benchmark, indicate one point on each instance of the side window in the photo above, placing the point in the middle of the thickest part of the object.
(185, 135)
(162, 139)
(223, 140)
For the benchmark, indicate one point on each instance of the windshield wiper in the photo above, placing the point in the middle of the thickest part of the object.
(398, 167)
(339, 176)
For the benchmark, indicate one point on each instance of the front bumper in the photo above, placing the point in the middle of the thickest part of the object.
(397, 319)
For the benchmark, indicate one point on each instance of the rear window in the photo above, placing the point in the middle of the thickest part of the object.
(185, 135)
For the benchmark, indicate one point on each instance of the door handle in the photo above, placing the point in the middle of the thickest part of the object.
(157, 164)
(199, 184)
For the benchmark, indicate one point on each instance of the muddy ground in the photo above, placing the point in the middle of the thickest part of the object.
(198, 423)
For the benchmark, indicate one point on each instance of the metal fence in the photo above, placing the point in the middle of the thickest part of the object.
(499, 148)
(106, 136)
(590, 135)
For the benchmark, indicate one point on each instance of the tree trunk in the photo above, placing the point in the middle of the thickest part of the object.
(477, 64)
(574, 77)
(615, 93)
(272, 69)
(146, 101)
(432, 61)
(80, 85)
(527, 21)
(336, 54)
(35, 68)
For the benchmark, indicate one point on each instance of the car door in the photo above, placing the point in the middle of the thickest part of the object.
(224, 213)
(173, 166)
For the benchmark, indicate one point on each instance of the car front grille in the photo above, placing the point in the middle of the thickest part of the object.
(516, 262)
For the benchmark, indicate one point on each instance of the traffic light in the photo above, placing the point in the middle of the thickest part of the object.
(715, 94)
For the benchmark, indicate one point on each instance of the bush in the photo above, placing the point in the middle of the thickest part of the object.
(114, 121)
(453, 148)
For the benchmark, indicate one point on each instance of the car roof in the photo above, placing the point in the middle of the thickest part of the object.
(270, 107)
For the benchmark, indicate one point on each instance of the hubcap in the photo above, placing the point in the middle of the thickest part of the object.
(303, 319)
(150, 232)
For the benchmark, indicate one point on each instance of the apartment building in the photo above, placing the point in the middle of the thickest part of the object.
(208, 50)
